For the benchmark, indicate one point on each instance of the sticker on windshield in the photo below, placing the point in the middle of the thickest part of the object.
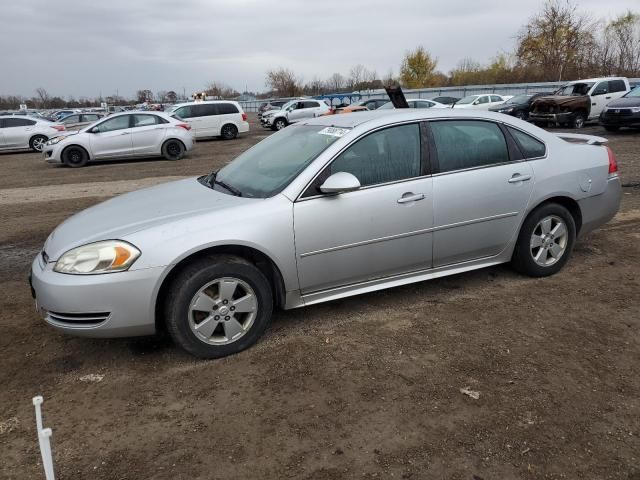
(334, 131)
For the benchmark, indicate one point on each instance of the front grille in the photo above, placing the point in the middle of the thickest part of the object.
(546, 109)
(78, 319)
(618, 112)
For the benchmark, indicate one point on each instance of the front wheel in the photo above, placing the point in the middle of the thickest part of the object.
(218, 306)
(173, 150)
(578, 120)
(545, 242)
(521, 115)
(279, 124)
(74, 157)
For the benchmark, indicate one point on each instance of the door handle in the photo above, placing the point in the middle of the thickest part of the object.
(410, 197)
(608, 98)
(125, 133)
(519, 178)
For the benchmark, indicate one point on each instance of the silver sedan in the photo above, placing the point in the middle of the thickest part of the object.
(328, 208)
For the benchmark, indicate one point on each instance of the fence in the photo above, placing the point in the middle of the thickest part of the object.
(462, 91)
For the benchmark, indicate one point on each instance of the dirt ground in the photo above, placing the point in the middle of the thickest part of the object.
(366, 387)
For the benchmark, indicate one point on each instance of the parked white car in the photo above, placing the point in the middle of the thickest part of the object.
(481, 102)
(292, 112)
(123, 135)
(20, 132)
(416, 103)
(215, 118)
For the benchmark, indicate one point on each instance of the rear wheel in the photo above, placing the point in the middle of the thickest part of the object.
(173, 150)
(229, 132)
(37, 142)
(545, 241)
(218, 306)
(74, 157)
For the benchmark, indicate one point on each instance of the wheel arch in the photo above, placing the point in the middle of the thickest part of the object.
(258, 258)
(567, 202)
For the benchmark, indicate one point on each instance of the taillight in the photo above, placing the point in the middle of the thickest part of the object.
(59, 128)
(244, 117)
(613, 163)
(186, 126)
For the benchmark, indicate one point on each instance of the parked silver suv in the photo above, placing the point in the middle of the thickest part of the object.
(292, 112)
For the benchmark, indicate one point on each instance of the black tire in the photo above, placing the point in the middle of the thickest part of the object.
(610, 128)
(279, 124)
(173, 149)
(75, 156)
(523, 260)
(229, 131)
(521, 115)
(36, 143)
(578, 120)
(196, 276)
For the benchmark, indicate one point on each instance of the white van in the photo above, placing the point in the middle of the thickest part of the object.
(215, 118)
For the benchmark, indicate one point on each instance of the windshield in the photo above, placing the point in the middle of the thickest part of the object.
(272, 164)
(634, 93)
(574, 89)
(519, 99)
(467, 100)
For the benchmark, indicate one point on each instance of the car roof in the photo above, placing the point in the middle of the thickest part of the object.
(204, 102)
(379, 118)
(27, 117)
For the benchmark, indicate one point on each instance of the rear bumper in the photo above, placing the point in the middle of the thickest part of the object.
(599, 209)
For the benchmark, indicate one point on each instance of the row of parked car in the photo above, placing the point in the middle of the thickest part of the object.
(78, 138)
(573, 105)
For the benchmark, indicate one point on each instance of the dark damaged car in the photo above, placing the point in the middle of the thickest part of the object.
(577, 102)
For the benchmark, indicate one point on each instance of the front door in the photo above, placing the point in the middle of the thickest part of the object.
(111, 138)
(600, 96)
(479, 193)
(147, 134)
(381, 229)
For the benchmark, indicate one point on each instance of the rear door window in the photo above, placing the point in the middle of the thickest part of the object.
(71, 119)
(144, 120)
(495, 98)
(617, 86)
(18, 122)
(529, 146)
(464, 144)
(227, 108)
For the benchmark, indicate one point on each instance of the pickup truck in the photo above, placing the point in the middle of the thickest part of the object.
(577, 102)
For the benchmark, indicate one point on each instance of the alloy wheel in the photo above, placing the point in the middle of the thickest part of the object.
(223, 311)
(38, 143)
(549, 240)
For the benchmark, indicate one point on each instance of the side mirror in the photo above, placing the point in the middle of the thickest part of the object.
(340, 182)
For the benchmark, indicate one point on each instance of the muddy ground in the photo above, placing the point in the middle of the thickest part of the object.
(366, 387)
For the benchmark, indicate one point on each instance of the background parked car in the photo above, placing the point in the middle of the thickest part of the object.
(480, 102)
(623, 112)
(415, 103)
(213, 118)
(79, 120)
(445, 100)
(518, 106)
(19, 132)
(271, 105)
(122, 135)
(578, 102)
(293, 112)
(372, 103)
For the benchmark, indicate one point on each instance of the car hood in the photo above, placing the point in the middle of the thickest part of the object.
(135, 211)
(563, 100)
(625, 102)
(504, 106)
(273, 110)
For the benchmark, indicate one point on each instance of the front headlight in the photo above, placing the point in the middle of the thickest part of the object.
(100, 257)
(55, 140)
(506, 110)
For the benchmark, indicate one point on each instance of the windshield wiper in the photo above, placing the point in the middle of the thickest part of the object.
(211, 180)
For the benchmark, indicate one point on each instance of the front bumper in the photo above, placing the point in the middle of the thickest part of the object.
(550, 117)
(109, 305)
(266, 121)
(621, 119)
(52, 153)
(599, 209)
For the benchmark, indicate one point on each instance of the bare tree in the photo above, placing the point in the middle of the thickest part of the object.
(221, 90)
(556, 42)
(43, 96)
(619, 51)
(336, 82)
(284, 82)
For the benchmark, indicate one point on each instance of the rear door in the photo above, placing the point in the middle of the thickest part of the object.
(227, 113)
(208, 119)
(480, 191)
(147, 133)
(112, 138)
